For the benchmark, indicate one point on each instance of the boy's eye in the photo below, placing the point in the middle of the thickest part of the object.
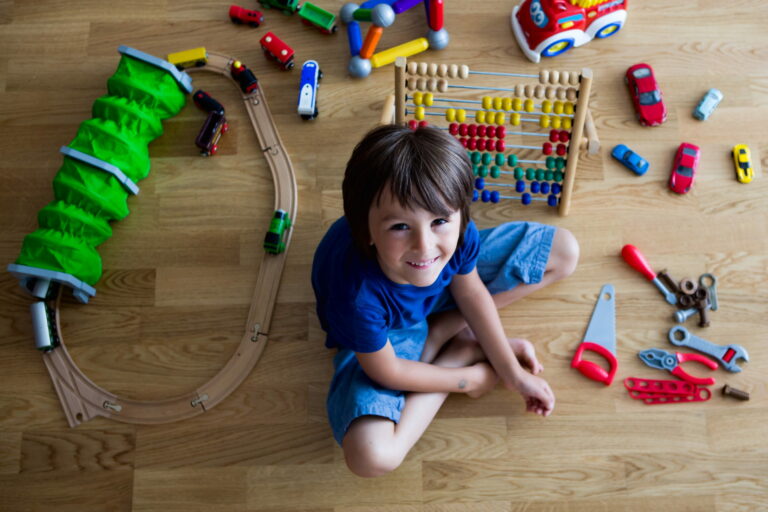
(399, 227)
(439, 222)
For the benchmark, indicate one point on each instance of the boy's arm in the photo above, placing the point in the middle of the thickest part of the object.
(390, 371)
(478, 308)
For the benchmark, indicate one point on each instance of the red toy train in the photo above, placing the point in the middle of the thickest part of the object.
(275, 49)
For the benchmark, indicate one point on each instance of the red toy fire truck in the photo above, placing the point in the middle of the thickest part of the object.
(546, 28)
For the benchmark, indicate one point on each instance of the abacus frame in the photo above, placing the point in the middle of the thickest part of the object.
(557, 83)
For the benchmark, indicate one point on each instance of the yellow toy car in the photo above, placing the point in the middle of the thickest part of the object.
(742, 161)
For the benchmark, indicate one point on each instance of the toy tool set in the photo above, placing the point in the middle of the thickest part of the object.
(600, 338)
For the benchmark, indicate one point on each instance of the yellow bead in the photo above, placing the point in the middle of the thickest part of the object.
(544, 121)
(507, 104)
(500, 118)
(450, 115)
(557, 123)
(428, 99)
(497, 103)
(419, 114)
(514, 119)
(417, 98)
(461, 115)
(567, 123)
(558, 107)
(569, 108)
(487, 102)
(546, 106)
(517, 104)
(529, 105)
(480, 116)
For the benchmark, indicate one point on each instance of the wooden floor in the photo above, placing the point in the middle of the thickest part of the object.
(180, 270)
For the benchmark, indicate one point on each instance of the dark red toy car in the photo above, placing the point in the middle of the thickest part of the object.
(684, 168)
(240, 15)
(646, 95)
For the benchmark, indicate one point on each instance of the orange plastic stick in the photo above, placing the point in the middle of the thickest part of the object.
(371, 41)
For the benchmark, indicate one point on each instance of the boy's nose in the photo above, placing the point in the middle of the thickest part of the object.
(422, 240)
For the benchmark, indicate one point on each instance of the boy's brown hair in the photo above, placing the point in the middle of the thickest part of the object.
(425, 168)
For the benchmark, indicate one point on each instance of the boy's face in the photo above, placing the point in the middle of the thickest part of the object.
(412, 246)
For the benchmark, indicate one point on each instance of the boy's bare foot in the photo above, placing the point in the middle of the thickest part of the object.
(526, 354)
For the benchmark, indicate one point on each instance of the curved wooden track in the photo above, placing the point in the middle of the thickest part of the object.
(83, 400)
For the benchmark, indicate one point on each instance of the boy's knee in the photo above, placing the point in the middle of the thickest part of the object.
(565, 252)
(370, 460)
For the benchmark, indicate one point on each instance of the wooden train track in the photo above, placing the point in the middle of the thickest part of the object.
(83, 400)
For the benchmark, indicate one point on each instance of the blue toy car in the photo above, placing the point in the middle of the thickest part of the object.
(707, 104)
(630, 159)
(307, 104)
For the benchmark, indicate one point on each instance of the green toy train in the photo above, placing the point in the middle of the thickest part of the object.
(274, 239)
(310, 14)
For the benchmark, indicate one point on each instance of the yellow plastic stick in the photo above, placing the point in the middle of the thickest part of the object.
(404, 50)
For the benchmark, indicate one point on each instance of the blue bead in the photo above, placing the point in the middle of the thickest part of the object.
(534, 187)
(520, 186)
(556, 188)
(486, 196)
(475, 196)
(552, 200)
(495, 196)
(479, 183)
(526, 199)
(545, 187)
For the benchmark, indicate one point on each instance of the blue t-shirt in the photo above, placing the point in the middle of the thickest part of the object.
(357, 304)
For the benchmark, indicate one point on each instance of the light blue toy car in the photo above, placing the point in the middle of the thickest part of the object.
(707, 104)
(630, 159)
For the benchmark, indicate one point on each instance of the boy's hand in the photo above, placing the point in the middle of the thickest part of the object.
(538, 396)
(485, 379)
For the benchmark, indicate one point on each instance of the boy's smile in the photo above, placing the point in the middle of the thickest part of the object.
(412, 246)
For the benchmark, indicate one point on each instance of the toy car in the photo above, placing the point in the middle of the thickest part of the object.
(240, 15)
(707, 104)
(684, 168)
(743, 162)
(646, 95)
(206, 103)
(630, 159)
(208, 138)
(310, 75)
(546, 28)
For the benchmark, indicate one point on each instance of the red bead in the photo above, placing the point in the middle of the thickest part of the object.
(564, 136)
(412, 124)
(422, 124)
(464, 141)
(554, 136)
(472, 130)
(490, 132)
(501, 132)
(472, 144)
(500, 145)
(481, 130)
(453, 128)
(463, 129)
(546, 148)
(481, 144)
(561, 149)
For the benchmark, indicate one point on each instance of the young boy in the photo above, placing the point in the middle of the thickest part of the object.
(388, 277)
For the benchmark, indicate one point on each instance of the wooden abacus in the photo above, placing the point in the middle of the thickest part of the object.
(559, 101)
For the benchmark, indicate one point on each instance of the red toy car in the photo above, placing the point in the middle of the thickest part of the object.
(274, 48)
(684, 168)
(240, 15)
(646, 95)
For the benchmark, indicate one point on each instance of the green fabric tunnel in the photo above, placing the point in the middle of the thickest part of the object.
(140, 95)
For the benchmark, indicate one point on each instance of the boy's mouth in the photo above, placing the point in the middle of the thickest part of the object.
(422, 264)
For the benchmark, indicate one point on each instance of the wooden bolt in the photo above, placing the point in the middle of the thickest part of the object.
(735, 393)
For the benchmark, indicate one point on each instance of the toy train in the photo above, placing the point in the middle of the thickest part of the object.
(240, 15)
(313, 15)
(310, 76)
(275, 49)
(288, 7)
(214, 126)
(274, 240)
(195, 57)
(243, 76)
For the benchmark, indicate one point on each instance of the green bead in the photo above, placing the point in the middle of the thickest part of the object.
(487, 158)
(475, 156)
(495, 171)
(530, 174)
(519, 173)
(558, 176)
(474, 170)
(483, 171)
(512, 160)
(549, 175)
(500, 160)
(539, 174)
(550, 162)
(560, 163)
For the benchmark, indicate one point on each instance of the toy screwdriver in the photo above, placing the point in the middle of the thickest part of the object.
(635, 258)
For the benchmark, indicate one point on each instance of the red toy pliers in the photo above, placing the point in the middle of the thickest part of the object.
(663, 360)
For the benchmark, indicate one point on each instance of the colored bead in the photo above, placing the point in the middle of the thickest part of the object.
(512, 160)
(472, 130)
(453, 128)
(419, 114)
(472, 144)
(550, 162)
(475, 196)
(461, 115)
(520, 186)
(497, 103)
(487, 102)
(540, 174)
(464, 141)
(561, 149)
(568, 108)
(519, 173)
(534, 187)
(546, 148)
(560, 163)
(552, 200)
(479, 183)
(463, 129)
(418, 97)
(554, 136)
(567, 123)
(483, 171)
(480, 116)
(546, 106)
(526, 199)
(557, 122)
(412, 124)
(481, 130)
(556, 188)
(517, 104)
(486, 196)
(429, 98)
(544, 121)
(530, 174)
(545, 187)
(475, 169)
(487, 158)
(558, 176)
(495, 196)
(500, 159)
(490, 132)
(514, 119)
(558, 107)
(529, 105)
(500, 118)
(450, 114)
(495, 171)
(565, 136)
(501, 132)
(481, 144)
(476, 157)
(506, 104)
(549, 175)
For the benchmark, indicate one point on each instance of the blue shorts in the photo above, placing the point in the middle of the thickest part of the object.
(510, 254)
